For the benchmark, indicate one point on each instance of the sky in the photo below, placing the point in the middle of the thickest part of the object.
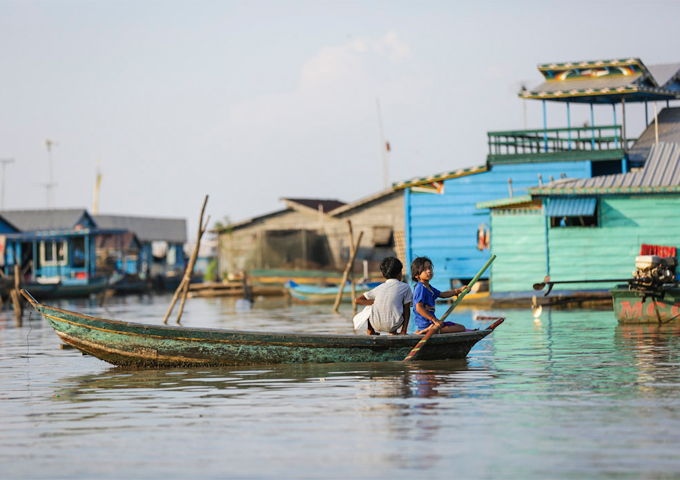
(250, 102)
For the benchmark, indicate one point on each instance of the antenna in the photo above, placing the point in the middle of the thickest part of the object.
(97, 183)
(4, 162)
(49, 185)
(384, 148)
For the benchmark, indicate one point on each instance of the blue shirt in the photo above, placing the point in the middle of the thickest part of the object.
(421, 294)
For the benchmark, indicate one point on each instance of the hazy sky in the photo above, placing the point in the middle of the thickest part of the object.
(249, 102)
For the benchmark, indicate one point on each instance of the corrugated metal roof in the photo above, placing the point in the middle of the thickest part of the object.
(663, 73)
(669, 132)
(314, 203)
(585, 84)
(661, 170)
(147, 229)
(571, 207)
(33, 220)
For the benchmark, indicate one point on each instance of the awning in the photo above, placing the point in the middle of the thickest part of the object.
(571, 207)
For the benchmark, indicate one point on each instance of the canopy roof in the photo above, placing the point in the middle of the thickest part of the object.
(607, 81)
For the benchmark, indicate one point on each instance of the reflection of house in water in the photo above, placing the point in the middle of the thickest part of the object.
(161, 250)
(311, 235)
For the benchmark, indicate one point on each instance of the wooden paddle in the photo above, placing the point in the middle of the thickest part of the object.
(466, 290)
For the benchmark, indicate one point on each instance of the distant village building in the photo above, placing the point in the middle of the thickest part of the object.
(312, 235)
(72, 248)
(442, 220)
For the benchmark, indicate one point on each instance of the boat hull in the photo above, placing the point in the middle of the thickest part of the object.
(140, 345)
(632, 306)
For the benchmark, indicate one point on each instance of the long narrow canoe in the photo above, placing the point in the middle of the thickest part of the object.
(140, 345)
(317, 294)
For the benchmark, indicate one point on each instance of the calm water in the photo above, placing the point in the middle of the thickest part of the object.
(572, 395)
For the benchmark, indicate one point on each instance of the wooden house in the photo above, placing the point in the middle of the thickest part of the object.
(161, 245)
(586, 229)
(55, 250)
(309, 237)
(442, 220)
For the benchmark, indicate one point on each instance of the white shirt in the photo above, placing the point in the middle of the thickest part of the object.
(389, 298)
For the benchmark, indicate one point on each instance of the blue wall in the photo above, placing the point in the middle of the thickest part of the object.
(444, 227)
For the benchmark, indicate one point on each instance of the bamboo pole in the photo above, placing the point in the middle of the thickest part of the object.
(16, 299)
(183, 287)
(346, 273)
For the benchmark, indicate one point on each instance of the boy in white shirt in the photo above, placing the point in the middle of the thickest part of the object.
(391, 300)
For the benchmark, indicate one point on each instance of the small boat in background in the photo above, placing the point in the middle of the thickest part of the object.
(325, 294)
(142, 345)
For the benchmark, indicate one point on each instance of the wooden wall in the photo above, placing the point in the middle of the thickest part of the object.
(519, 241)
(609, 250)
(444, 227)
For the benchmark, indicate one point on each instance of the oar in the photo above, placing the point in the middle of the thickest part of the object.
(465, 291)
(546, 281)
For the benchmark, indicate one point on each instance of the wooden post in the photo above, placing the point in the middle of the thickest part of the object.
(346, 273)
(184, 284)
(18, 310)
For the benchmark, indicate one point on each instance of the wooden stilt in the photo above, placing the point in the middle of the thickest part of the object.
(183, 287)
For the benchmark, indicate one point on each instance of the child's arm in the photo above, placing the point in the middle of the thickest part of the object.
(361, 300)
(454, 292)
(422, 310)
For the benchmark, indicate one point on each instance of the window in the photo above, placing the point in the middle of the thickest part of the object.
(572, 211)
(53, 253)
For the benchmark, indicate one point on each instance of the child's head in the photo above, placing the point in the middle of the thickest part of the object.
(391, 267)
(418, 266)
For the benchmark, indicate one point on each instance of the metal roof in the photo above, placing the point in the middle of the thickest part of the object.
(664, 73)
(147, 229)
(33, 220)
(606, 81)
(364, 201)
(571, 207)
(314, 203)
(661, 174)
(669, 131)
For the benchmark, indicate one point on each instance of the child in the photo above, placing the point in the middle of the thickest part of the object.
(424, 296)
(391, 300)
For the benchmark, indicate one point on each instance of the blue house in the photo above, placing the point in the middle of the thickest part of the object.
(441, 218)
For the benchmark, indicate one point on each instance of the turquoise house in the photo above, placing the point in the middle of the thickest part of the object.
(586, 229)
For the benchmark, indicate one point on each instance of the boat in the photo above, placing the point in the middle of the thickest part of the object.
(141, 345)
(325, 294)
(652, 295)
(67, 288)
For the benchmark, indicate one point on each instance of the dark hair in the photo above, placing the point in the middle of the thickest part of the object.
(391, 267)
(418, 266)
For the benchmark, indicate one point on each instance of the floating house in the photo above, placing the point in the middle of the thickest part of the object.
(309, 237)
(442, 220)
(586, 229)
(70, 252)
(55, 251)
(161, 246)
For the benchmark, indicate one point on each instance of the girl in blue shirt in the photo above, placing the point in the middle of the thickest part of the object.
(424, 296)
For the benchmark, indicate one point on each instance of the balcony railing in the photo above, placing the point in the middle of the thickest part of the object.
(557, 140)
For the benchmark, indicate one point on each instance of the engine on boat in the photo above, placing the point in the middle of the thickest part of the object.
(653, 271)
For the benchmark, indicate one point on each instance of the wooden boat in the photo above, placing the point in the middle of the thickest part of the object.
(327, 294)
(140, 345)
(660, 305)
(67, 288)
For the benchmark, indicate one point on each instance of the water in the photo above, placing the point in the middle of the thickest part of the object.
(571, 395)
